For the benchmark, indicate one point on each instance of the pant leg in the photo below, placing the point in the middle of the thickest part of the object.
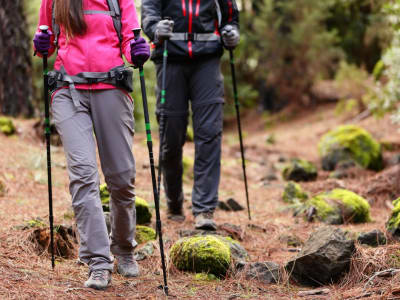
(76, 131)
(207, 105)
(112, 113)
(174, 132)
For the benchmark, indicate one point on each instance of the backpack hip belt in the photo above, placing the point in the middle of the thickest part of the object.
(120, 77)
(202, 37)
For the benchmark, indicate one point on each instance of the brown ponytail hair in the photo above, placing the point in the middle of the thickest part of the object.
(69, 15)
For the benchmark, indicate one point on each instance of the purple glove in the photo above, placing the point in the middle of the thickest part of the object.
(42, 42)
(140, 51)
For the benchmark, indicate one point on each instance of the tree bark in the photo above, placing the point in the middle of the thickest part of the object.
(15, 60)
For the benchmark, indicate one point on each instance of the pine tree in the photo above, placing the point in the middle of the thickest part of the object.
(15, 60)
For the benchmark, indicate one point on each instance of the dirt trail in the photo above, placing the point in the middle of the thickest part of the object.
(24, 275)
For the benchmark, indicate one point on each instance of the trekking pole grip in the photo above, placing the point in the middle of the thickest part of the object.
(136, 33)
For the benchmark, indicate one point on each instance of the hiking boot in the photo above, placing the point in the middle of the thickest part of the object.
(205, 221)
(98, 279)
(176, 216)
(127, 266)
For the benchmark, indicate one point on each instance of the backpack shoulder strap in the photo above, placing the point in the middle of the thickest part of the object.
(54, 25)
(116, 15)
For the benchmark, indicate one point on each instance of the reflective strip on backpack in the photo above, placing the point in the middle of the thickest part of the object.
(202, 37)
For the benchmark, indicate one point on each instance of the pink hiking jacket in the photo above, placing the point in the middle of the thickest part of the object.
(98, 50)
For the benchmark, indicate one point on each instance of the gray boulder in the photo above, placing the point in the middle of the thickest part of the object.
(323, 259)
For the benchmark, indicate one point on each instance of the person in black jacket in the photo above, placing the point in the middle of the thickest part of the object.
(194, 29)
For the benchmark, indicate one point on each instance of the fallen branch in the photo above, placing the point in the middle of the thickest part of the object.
(384, 273)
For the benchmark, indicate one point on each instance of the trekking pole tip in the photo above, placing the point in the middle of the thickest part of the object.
(136, 32)
(43, 28)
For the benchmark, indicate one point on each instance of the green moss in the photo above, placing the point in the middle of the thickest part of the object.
(205, 277)
(35, 223)
(188, 164)
(350, 142)
(299, 170)
(394, 221)
(144, 234)
(293, 192)
(339, 205)
(143, 213)
(189, 134)
(7, 126)
(201, 254)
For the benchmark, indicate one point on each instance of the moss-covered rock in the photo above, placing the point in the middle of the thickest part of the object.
(393, 224)
(299, 170)
(144, 234)
(340, 206)
(143, 213)
(7, 126)
(294, 193)
(200, 254)
(350, 142)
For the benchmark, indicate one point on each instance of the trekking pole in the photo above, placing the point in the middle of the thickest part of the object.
(136, 33)
(235, 94)
(44, 29)
(162, 115)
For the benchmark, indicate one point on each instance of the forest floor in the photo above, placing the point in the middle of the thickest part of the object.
(25, 275)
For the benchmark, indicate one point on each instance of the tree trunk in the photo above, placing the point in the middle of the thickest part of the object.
(15, 60)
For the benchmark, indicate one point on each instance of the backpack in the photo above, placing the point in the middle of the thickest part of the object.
(114, 12)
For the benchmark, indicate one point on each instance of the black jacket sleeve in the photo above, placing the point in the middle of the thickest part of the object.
(151, 15)
(229, 12)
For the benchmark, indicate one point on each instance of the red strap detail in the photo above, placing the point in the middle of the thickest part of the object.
(216, 28)
(230, 5)
(184, 7)
(190, 49)
(197, 8)
(190, 15)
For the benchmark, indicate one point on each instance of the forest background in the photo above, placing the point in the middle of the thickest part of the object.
(293, 53)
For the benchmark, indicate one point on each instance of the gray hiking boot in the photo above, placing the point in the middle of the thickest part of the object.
(127, 266)
(205, 221)
(98, 279)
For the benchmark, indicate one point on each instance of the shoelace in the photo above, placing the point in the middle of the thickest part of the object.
(99, 275)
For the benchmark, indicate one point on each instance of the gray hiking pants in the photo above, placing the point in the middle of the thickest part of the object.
(106, 115)
(200, 82)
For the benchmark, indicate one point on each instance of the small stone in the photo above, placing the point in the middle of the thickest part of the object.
(266, 272)
(234, 205)
(291, 240)
(373, 238)
(145, 251)
(299, 170)
(223, 206)
(3, 189)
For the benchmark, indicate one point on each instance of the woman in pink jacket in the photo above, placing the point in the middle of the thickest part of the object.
(91, 95)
